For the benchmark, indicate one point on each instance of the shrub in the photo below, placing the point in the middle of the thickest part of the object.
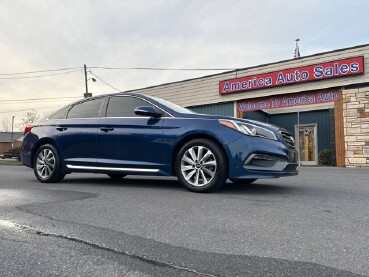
(325, 157)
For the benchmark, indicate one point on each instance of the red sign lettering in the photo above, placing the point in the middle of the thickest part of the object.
(289, 100)
(334, 69)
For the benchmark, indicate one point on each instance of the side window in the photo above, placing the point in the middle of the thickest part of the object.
(124, 106)
(61, 114)
(87, 109)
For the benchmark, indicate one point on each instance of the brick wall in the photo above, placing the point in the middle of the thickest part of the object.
(5, 146)
(356, 126)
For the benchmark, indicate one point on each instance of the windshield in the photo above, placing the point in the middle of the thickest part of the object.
(172, 106)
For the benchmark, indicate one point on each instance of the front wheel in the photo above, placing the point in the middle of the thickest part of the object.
(201, 166)
(46, 165)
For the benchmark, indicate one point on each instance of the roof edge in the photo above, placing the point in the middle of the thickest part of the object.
(251, 67)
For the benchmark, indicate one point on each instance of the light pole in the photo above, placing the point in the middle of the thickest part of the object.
(13, 131)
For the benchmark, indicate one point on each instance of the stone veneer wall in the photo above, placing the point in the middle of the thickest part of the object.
(356, 126)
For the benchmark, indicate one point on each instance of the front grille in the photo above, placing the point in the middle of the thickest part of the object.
(288, 139)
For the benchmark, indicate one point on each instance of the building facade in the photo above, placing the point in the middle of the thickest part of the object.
(322, 99)
(9, 140)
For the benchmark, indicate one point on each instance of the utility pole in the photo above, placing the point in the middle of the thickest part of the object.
(13, 131)
(86, 94)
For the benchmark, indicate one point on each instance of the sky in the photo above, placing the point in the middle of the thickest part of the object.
(44, 35)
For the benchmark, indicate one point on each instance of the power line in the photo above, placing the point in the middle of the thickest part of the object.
(26, 110)
(104, 81)
(76, 69)
(162, 69)
(39, 99)
(38, 76)
(45, 102)
(40, 71)
(111, 68)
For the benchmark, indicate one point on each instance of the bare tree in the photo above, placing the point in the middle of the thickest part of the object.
(27, 119)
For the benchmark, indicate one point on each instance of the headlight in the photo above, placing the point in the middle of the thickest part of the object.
(248, 129)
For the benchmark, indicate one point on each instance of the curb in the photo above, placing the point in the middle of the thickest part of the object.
(10, 162)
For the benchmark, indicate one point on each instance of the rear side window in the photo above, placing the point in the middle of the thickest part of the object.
(124, 106)
(87, 109)
(61, 114)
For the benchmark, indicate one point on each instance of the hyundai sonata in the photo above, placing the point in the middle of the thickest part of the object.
(124, 133)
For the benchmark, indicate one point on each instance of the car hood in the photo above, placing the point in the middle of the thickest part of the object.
(217, 117)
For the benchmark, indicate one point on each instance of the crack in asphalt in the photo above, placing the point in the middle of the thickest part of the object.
(114, 251)
(225, 265)
(85, 196)
(277, 266)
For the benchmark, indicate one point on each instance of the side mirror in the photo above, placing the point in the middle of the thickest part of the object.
(147, 111)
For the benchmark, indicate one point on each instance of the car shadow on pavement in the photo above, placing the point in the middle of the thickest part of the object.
(130, 181)
(257, 188)
(171, 183)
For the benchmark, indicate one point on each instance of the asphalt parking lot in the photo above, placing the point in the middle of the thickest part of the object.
(313, 224)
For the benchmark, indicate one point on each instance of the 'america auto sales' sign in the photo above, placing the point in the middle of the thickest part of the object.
(328, 70)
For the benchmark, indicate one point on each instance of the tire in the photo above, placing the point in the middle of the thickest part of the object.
(243, 181)
(201, 166)
(116, 176)
(46, 165)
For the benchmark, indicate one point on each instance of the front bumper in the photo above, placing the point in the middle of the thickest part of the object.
(262, 162)
(258, 158)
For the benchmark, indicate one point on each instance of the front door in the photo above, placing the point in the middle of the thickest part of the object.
(307, 144)
(127, 141)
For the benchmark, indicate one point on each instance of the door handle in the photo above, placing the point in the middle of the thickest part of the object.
(61, 129)
(106, 129)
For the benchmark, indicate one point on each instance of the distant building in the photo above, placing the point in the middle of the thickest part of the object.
(6, 140)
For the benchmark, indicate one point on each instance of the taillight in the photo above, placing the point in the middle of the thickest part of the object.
(27, 129)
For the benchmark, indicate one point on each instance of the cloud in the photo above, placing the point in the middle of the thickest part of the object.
(37, 35)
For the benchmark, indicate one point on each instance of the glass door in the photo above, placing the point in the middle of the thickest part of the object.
(307, 144)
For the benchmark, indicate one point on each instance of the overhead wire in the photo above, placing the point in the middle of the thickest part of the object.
(38, 76)
(40, 71)
(75, 69)
(104, 81)
(40, 99)
(26, 110)
(68, 70)
(162, 69)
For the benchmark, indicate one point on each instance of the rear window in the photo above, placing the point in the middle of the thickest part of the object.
(61, 114)
(87, 109)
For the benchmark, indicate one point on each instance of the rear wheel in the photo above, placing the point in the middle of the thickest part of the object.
(46, 165)
(243, 181)
(201, 166)
(116, 176)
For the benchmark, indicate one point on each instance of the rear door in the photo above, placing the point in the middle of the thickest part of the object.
(128, 142)
(76, 135)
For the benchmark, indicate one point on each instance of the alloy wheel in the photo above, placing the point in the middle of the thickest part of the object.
(198, 166)
(45, 163)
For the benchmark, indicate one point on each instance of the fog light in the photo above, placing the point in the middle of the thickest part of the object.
(268, 158)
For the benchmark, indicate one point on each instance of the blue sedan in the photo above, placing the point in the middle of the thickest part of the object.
(125, 133)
